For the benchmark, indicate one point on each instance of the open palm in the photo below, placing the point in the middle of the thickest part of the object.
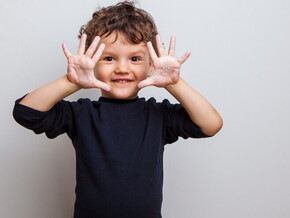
(166, 66)
(81, 66)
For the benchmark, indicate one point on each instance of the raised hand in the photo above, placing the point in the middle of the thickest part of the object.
(81, 66)
(166, 66)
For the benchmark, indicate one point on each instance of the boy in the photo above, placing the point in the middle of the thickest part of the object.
(119, 139)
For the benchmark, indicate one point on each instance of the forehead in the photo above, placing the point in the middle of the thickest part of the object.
(119, 40)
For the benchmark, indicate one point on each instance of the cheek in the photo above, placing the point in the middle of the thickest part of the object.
(142, 73)
(100, 72)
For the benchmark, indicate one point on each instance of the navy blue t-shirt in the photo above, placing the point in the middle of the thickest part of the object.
(119, 150)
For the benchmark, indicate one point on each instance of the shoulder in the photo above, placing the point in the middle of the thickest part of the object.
(75, 107)
(84, 101)
(153, 101)
(165, 104)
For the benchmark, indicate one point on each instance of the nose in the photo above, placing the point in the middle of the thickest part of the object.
(121, 66)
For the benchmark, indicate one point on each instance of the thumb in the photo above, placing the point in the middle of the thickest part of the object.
(147, 82)
(102, 85)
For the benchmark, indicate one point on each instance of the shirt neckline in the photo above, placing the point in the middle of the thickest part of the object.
(119, 101)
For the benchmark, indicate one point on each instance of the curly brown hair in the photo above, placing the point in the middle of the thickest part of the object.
(134, 23)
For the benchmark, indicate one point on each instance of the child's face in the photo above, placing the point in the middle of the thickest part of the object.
(122, 66)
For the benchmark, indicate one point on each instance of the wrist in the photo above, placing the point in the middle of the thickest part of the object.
(72, 86)
(175, 85)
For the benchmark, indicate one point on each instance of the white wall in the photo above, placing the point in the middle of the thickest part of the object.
(240, 61)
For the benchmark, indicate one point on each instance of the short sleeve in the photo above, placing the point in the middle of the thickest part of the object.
(54, 122)
(178, 123)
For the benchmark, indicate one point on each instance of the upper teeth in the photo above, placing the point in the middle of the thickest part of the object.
(122, 80)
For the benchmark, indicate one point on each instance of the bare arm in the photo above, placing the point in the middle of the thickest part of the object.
(45, 97)
(80, 74)
(199, 109)
(166, 74)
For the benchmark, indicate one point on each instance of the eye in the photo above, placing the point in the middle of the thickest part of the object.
(135, 59)
(109, 59)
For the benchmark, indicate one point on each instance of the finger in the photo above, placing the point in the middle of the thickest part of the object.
(91, 50)
(65, 51)
(171, 50)
(145, 83)
(98, 53)
(152, 52)
(82, 45)
(184, 57)
(159, 46)
(102, 85)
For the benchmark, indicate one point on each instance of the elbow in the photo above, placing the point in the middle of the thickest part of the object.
(214, 127)
(218, 125)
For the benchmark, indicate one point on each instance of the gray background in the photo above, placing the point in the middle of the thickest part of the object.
(240, 63)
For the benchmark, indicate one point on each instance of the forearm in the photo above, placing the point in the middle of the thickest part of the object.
(199, 109)
(45, 97)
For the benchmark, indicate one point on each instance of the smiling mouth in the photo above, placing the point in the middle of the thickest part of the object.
(121, 81)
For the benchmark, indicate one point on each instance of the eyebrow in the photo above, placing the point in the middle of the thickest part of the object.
(139, 52)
